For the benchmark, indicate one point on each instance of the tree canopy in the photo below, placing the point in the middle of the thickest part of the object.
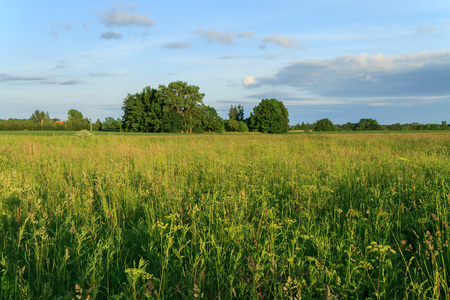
(324, 125)
(74, 114)
(368, 124)
(110, 123)
(269, 116)
(185, 99)
(236, 113)
(40, 116)
(177, 107)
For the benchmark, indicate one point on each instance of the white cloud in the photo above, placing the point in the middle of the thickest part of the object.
(379, 63)
(283, 41)
(123, 18)
(225, 37)
(250, 81)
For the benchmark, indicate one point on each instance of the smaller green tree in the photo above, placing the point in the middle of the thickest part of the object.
(242, 126)
(97, 125)
(324, 125)
(74, 114)
(76, 121)
(110, 123)
(236, 113)
(40, 117)
(211, 121)
(232, 125)
(269, 116)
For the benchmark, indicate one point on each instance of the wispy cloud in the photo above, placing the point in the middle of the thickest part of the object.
(56, 28)
(379, 104)
(111, 35)
(101, 74)
(426, 29)
(66, 26)
(35, 79)
(121, 17)
(272, 56)
(71, 82)
(229, 57)
(244, 34)
(225, 37)
(283, 41)
(177, 45)
(7, 77)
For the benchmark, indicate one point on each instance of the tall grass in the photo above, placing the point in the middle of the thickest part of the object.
(225, 216)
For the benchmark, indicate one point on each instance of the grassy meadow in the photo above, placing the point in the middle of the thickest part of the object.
(300, 216)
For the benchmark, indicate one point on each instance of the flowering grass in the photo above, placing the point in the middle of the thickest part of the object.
(225, 216)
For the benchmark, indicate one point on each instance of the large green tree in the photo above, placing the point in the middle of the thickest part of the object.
(183, 98)
(142, 111)
(269, 116)
(177, 107)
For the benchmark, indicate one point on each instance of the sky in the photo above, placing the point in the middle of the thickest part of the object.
(338, 59)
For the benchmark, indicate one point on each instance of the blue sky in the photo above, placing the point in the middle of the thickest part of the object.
(341, 59)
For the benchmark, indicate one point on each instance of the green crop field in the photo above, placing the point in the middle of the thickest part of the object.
(299, 216)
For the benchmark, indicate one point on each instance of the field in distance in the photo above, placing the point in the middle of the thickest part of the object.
(225, 216)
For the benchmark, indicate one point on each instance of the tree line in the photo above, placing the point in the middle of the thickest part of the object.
(178, 107)
(41, 121)
(366, 125)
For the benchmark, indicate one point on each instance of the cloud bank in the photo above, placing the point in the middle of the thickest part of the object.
(365, 75)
